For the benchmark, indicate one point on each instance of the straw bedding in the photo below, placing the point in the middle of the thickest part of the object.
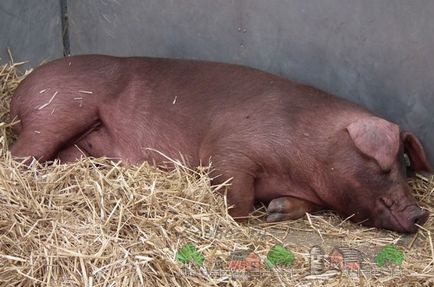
(98, 223)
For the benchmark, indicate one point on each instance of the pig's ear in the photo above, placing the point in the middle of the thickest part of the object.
(376, 138)
(414, 150)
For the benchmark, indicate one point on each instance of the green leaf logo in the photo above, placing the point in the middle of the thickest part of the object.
(389, 253)
(278, 255)
(188, 253)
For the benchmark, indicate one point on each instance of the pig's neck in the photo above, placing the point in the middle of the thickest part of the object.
(312, 159)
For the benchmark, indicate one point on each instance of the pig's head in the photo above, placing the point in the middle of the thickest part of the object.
(369, 175)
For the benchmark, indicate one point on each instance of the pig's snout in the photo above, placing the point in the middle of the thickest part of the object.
(417, 215)
(412, 216)
(400, 217)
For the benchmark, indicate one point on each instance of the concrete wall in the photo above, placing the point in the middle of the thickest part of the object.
(31, 30)
(377, 53)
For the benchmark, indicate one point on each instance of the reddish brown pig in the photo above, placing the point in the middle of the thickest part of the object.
(288, 145)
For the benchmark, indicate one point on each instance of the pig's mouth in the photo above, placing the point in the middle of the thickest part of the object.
(403, 219)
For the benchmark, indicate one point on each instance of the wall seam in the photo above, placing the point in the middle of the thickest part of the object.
(65, 27)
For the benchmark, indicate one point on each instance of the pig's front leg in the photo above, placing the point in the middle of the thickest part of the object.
(289, 208)
(238, 170)
(240, 195)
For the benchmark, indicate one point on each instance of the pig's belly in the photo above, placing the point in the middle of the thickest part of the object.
(99, 142)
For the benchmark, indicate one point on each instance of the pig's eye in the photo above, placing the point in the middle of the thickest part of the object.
(387, 171)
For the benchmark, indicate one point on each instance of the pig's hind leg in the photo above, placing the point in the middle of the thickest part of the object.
(26, 146)
(288, 208)
(42, 134)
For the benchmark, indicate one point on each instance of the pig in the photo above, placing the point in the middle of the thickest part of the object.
(284, 144)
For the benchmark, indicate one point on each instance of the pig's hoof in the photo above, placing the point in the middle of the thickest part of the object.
(275, 217)
(279, 216)
(286, 208)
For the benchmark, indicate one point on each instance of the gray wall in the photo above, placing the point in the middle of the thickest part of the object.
(31, 30)
(378, 53)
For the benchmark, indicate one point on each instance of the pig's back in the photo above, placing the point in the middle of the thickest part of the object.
(176, 105)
